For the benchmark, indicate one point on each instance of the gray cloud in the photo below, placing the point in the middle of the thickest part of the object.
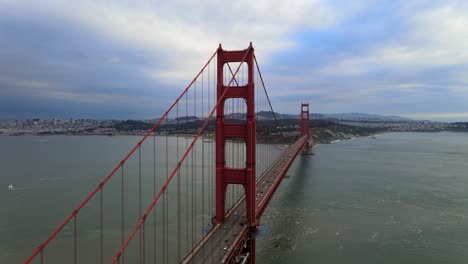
(124, 60)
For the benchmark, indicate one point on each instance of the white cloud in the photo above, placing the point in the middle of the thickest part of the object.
(186, 32)
(32, 84)
(346, 67)
(442, 33)
(437, 37)
(180, 35)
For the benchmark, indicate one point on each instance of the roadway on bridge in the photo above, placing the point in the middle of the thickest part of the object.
(217, 244)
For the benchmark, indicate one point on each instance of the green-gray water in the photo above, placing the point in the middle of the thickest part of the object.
(399, 198)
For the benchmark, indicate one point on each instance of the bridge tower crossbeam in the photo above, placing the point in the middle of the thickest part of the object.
(246, 131)
(305, 125)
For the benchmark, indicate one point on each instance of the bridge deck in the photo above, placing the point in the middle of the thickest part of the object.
(223, 238)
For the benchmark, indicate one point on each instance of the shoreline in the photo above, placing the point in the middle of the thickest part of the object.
(337, 136)
(331, 137)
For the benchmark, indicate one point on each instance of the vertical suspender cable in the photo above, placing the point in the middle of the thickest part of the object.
(165, 197)
(212, 191)
(154, 195)
(186, 178)
(203, 168)
(195, 168)
(164, 188)
(40, 249)
(139, 201)
(178, 188)
(144, 242)
(122, 217)
(102, 226)
(75, 256)
(192, 200)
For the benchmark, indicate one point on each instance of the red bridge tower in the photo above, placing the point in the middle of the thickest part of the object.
(243, 176)
(305, 124)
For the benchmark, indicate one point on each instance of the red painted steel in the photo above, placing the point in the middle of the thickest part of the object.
(305, 123)
(224, 175)
(179, 163)
(262, 206)
(98, 188)
(245, 130)
(243, 237)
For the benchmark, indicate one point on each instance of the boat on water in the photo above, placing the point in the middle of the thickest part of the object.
(10, 187)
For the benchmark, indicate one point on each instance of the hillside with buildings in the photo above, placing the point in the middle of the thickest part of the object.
(325, 128)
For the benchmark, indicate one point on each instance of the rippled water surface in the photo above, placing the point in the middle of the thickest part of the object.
(399, 198)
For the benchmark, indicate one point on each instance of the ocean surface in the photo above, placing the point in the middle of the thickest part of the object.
(398, 198)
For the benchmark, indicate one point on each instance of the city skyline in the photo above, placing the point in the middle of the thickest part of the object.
(123, 60)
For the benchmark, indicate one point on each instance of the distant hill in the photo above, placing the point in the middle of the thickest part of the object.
(268, 115)
(364, 117)
(262, 115)
(186, 118)
(458, 127)
(132, 125)
(344, 116)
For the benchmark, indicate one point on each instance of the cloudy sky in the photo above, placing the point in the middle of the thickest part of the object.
(119, 59)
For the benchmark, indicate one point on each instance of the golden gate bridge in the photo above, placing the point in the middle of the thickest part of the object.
(194, 187)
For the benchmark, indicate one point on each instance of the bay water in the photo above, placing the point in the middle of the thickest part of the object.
(398, 198)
